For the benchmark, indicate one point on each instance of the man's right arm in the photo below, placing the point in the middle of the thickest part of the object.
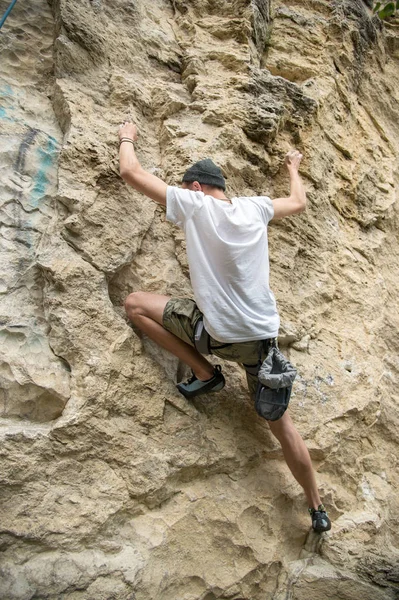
(133, 173)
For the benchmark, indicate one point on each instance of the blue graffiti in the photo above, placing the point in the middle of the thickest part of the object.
(34, 167)
(7, 91)
(3, 114)
(47, 159)
(10, 105)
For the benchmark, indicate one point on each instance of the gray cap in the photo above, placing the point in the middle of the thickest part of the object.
(205, 172)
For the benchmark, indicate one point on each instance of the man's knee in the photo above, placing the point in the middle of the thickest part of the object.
(145, 304)
(134, 304)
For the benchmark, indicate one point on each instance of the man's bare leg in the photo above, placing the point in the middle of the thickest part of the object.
(297, 457)
(145, 310)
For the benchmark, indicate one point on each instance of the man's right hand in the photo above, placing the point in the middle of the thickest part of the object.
(128, 130)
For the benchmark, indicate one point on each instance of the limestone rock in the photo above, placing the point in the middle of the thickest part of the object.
(113, 486)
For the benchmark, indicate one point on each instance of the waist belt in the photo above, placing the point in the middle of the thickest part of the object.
(252, 369)
(202, 343)
(201, 338)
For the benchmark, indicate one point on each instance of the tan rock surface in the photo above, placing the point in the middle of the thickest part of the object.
(113, 486)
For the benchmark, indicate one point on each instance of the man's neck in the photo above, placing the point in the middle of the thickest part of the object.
(218, 194)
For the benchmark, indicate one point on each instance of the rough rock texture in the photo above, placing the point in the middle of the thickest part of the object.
(34, 381)
(113, 486)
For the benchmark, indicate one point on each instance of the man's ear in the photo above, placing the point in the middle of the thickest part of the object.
(197, 187)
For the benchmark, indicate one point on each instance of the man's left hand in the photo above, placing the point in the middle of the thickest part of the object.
(293, 159)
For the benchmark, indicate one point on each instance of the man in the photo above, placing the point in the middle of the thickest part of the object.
(227, 252)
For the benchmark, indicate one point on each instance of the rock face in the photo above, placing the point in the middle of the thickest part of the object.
(34, 380)
(113, 486)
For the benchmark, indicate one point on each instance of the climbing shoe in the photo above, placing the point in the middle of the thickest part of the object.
(195, 387)
(320, 520)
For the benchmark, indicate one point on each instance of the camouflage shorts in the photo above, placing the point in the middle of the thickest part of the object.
(180, 318)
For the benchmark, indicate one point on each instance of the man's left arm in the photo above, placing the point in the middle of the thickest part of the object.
(296, 202)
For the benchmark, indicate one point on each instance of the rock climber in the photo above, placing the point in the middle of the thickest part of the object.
(227, 250)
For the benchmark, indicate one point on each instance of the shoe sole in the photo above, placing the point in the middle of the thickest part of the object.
(321, 530)
(217, 388)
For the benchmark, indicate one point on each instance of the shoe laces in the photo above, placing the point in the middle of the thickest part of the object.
(190, 379)
(320, 508)
(216, 370)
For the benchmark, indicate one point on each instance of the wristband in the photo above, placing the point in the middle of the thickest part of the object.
(126, 140)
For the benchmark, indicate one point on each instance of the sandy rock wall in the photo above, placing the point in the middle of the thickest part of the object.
(113, 486)
(34, 380)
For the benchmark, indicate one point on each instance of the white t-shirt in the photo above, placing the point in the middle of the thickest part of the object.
(227, 252)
